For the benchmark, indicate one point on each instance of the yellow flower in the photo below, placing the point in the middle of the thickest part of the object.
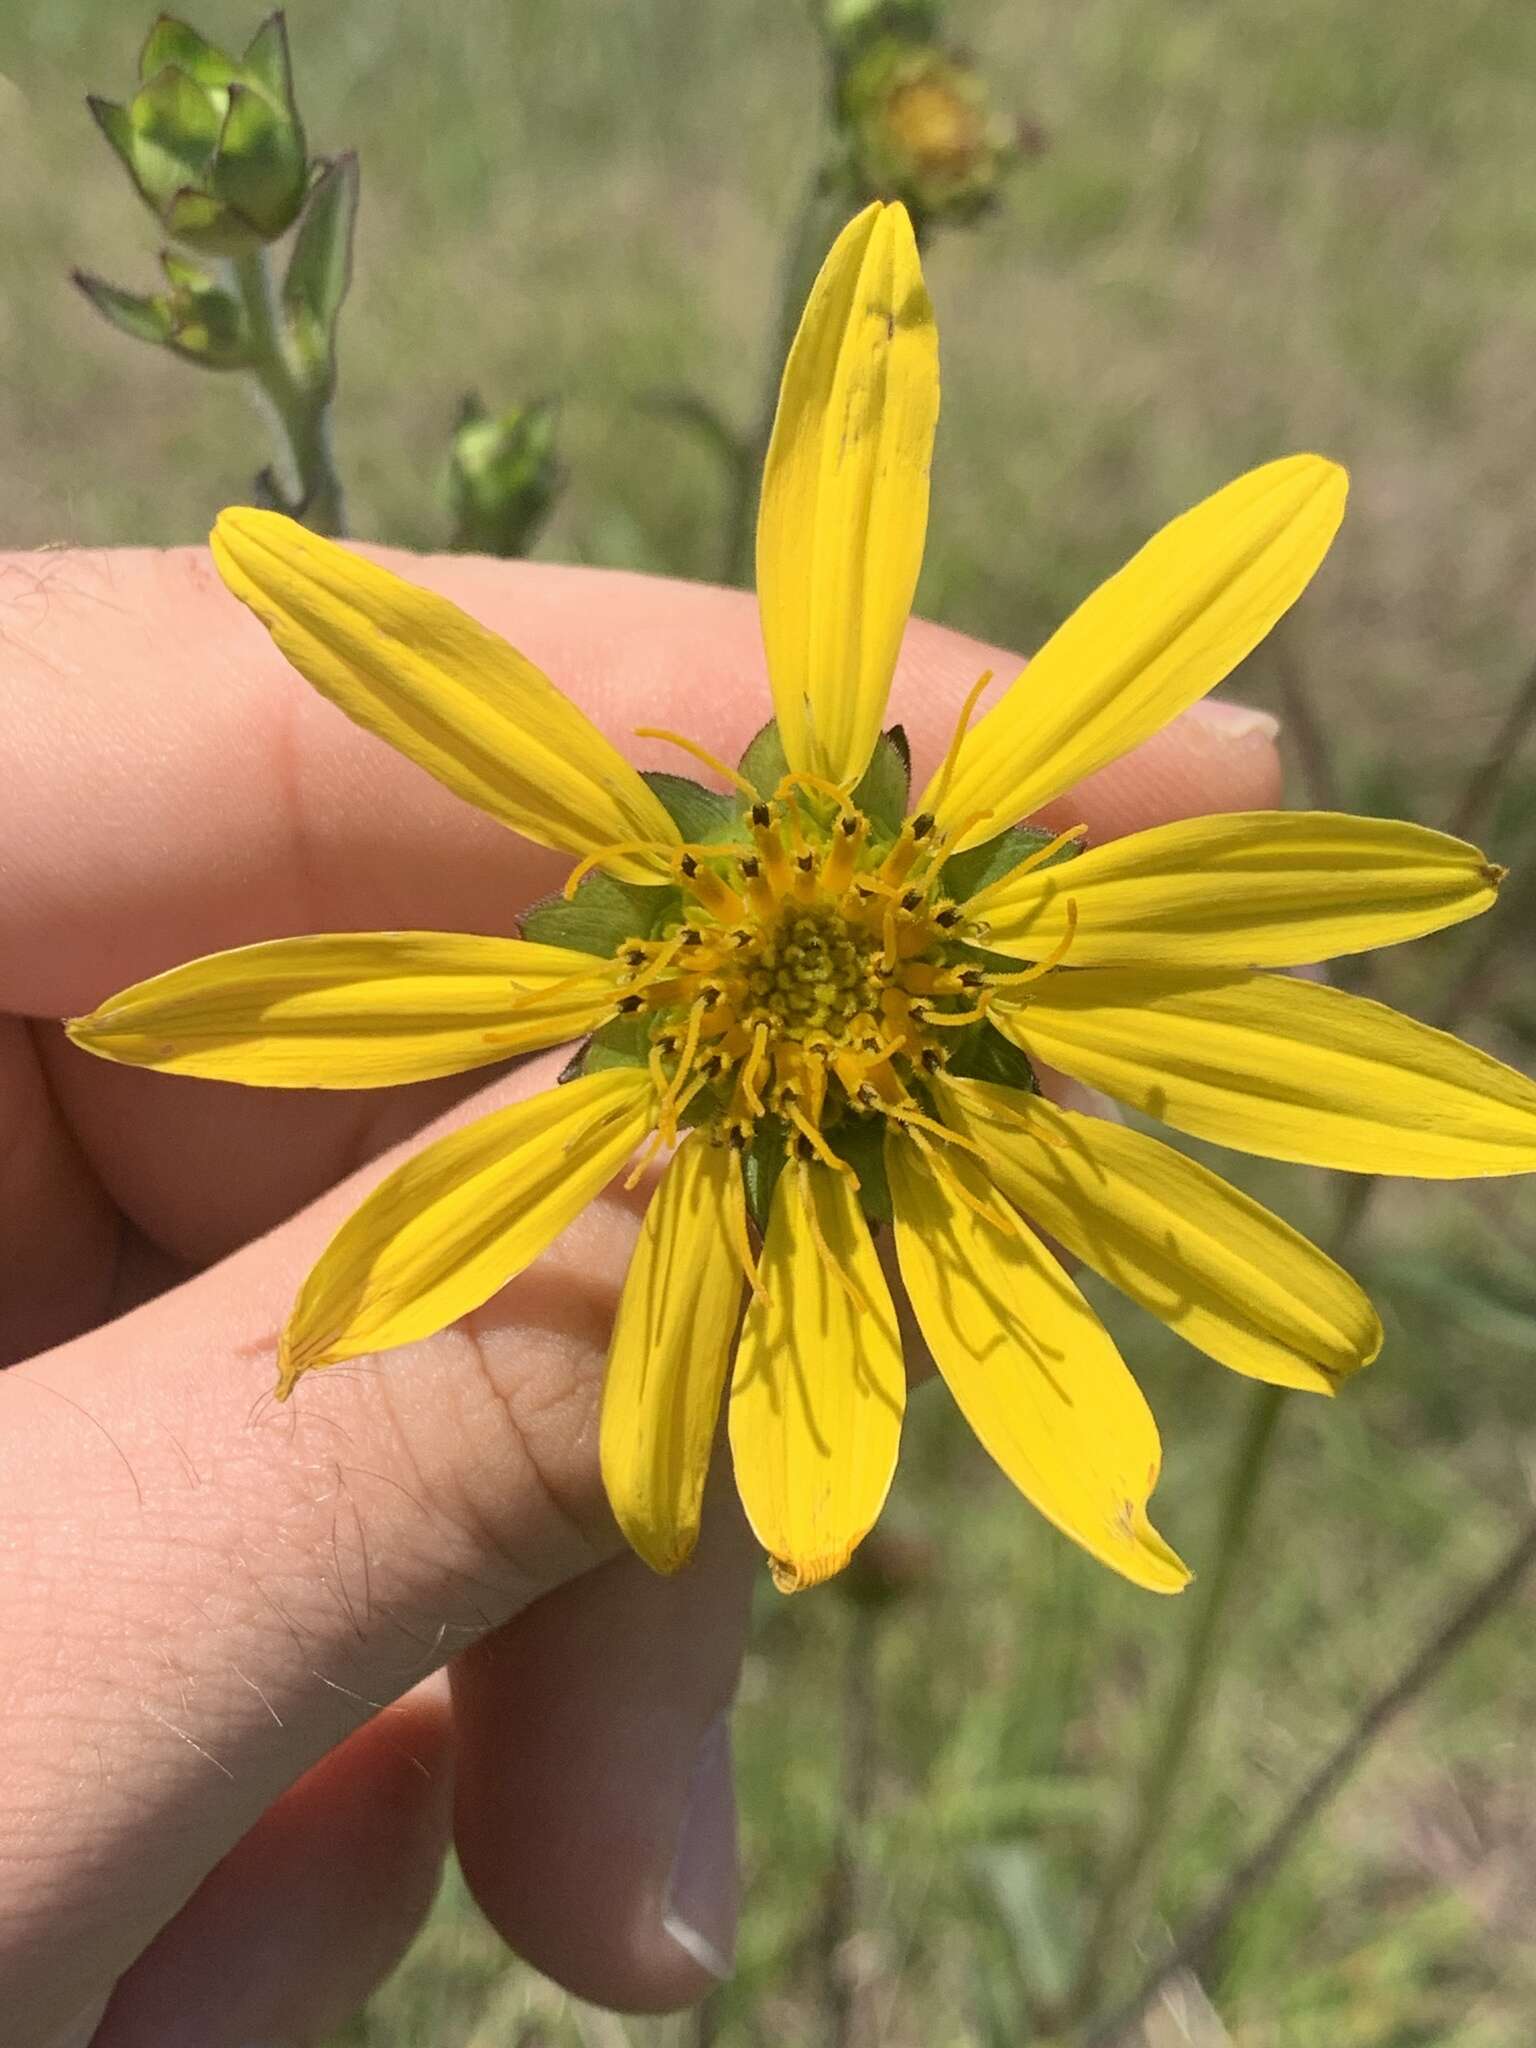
(828, 1004)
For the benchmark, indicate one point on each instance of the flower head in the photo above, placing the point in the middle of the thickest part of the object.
(827, 1000)
(213, 143)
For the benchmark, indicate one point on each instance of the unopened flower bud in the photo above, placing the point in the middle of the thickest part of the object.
(503, 477)
(194, 316)
(922, 129)
(213, 143)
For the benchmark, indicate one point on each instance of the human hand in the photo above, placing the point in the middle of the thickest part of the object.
(225, 1787)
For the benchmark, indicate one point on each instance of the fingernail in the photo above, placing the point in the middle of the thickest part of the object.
(702, 1894)
(1227, 721)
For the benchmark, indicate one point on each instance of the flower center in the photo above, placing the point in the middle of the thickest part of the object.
(812, 977)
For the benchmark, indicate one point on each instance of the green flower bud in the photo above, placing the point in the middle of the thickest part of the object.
(194, 317)
(503, 477)
(921, 128)
(213, 143)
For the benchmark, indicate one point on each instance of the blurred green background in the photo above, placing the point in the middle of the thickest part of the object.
(1249, 231)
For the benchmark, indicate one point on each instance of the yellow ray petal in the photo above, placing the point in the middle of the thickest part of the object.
(453, 697)
(1177, 618)
(845, 494)
(1224, 1272)
(351, 1009)
(671, 1346)
(1031, 1368)
(444, 1231)
(1282, 1067)
(1251, 889)
(818, 1391)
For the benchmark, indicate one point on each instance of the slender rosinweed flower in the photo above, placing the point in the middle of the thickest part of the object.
(825, 1004)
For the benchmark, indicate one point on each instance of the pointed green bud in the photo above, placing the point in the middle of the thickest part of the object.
(213, 143)
(920, 127)
(503, 477)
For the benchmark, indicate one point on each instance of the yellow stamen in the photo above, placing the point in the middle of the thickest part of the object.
(675, 739)
(736, 1225)
(1053, 959)
(945, 1169)
(952, 1019)
(588, 862)
(950, 759)
(823, 1249)
(1043, 853)
(904, 1114)
(816, 1141)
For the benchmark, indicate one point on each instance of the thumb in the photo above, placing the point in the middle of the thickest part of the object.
(209, 1591)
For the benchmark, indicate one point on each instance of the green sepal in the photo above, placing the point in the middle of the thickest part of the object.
(319, 272)
(761, 1165)
(966, 874)
(885, 788)
(705, 817)
(176, 128)
(176, 44)
(764, 763)
(981, 1053)
(116, 124)
(602, 915)
(860, 1141)
(266, 59)
(260, 170)
(144, 318)
(621, 1042)
(208, 224)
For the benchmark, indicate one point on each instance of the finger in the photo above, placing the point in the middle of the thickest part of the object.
(595, 1818)
(208, 1592)
(288, 1935)
(188, 791)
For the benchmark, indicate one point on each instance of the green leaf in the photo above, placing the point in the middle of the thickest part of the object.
(320, 268)
(966, 874)
(266, 59)
(145, 319)
(704, 816)
(603, 914)
(981, 1053)
(764, 764)
(860, 1140)
(761, 1165)
(885, 788)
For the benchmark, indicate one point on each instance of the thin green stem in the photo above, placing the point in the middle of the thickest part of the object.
(819, 217)
(297, 400)
(1165, 1767)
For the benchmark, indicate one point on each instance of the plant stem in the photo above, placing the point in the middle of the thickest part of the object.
(1206, 1930)
(1164, 1770)
(297, 399)
(816, 224)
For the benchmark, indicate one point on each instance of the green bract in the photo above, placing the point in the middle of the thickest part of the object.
(921, 127)
(194, 317)
(213, 143)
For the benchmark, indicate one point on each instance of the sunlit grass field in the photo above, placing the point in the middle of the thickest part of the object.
(1249, 230)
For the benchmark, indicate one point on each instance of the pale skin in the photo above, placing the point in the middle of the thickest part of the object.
(231, 1763)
